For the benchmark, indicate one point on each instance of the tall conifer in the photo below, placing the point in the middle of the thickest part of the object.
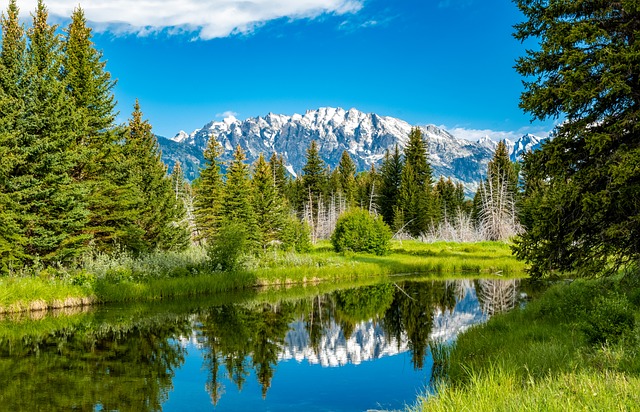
(268, 204)
(209, 192)
(161, 214)
(12, 65)
(314, 177)
(417, 201)
(391, 178)
(347, 170)
(238, 197)
(53, 211)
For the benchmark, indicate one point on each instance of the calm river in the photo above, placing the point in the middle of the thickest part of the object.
(358, 349)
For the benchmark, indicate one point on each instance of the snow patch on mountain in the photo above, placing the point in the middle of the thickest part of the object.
(366, 136)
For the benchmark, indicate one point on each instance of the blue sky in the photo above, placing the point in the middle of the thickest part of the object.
(443, 62)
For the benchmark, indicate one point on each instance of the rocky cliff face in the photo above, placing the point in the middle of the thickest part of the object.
(366, 136)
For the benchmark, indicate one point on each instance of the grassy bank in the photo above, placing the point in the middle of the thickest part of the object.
(165, 275)
(575, 348)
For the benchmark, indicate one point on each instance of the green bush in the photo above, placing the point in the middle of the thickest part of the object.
(228, 246)
(610, 318)
(358, 231)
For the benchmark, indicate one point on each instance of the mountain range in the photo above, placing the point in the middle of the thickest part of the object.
(366, 136)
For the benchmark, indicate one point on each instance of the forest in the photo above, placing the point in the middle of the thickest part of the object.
(74, 183)
(88, 211)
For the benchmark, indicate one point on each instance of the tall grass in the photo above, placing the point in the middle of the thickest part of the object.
(502, 390)
(124, 277)
(546, 357)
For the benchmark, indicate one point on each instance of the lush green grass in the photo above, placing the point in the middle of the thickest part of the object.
(123, 277)
(574, 348)
(499, 390)
(32, 293)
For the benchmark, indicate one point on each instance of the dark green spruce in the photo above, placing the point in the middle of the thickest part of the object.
(582, 189)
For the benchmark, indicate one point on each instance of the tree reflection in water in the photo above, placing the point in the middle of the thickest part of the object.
(127, 362)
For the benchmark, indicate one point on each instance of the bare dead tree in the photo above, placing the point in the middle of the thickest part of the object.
(498, 216)
(496, 295)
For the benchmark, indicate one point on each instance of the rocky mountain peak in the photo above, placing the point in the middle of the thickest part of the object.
(366, 136)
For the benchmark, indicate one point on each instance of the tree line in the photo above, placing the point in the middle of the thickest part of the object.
(73, 181)
(70, 178)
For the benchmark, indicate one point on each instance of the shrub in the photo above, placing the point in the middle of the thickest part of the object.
(609, 319)
(228, 246)
(358, 231)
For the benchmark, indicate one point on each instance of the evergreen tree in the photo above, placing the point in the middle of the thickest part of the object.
(53, 204)
(13, 54)
(276, 162)
(451, 198)
(177, 181)
(112, 201)
(314, 178)
(88, 83)
(417, 201)
(12, 64)
(496, 198)
(209, 192)
(390, 180)
(367, 189)
(412, 203)
(347, 170)
(162, 216)
(238, 197)
(583, 187)
(268, 205)
(115, 205)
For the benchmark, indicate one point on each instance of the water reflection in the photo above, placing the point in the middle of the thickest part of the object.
(126, 359)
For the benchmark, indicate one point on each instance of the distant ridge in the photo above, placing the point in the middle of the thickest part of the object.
(366, 136)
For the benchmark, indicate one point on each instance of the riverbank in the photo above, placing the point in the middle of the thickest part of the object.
(574, 349)
(121, 278)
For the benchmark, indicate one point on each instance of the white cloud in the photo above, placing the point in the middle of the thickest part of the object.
(207, 18)
(495, 135)
(226, 114)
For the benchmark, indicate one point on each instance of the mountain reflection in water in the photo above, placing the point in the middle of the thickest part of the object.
(330, 352)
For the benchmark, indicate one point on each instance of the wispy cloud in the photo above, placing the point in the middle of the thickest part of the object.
(228, 113)
(208, 19)
(495, 135)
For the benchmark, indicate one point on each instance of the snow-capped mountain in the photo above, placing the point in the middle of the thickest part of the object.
(368, 340)
(366, 136)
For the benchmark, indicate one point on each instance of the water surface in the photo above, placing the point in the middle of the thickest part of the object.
(355, 349)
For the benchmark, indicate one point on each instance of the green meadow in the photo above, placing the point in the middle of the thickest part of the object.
(165, 275)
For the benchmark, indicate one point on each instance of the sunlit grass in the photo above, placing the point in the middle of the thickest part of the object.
(160, 275)
(20, 294)
(540, 357)
(500, 390)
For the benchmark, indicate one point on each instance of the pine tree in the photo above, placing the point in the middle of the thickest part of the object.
(112, 201)
(367, 189)
(583, 187)
(88, 83)
(238, 197)
(13, 54)
(347, 170)
(162, 216)
(12, 64)
(419, 205)
(209, 192)
(53, 211)
(268, 205)
(314, 178)
(450, 203)
(276, 162)
(390, 180)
